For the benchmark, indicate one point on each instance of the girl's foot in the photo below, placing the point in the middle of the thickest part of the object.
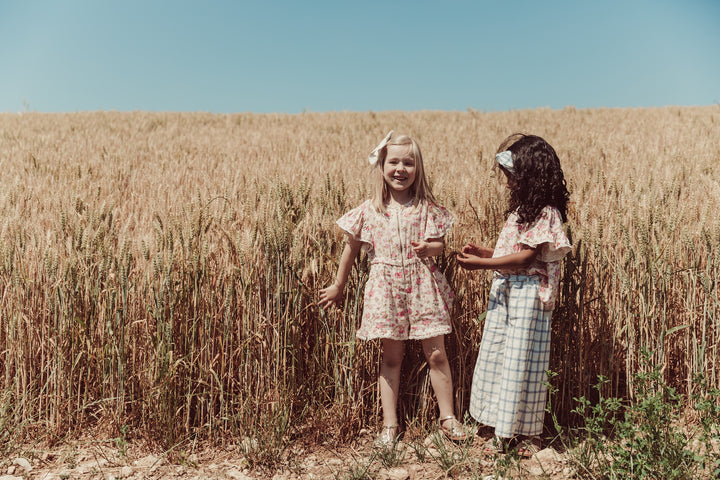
(495, 445)
(528, 447)
(453, 429)
(387, 437)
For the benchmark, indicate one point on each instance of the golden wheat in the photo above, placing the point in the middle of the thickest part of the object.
(160, 270)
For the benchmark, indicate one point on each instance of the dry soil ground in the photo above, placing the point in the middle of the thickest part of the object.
(413, 460)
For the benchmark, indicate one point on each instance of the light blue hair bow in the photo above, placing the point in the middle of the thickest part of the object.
(505, 160)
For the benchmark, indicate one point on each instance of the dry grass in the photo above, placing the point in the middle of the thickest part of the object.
(160, 270)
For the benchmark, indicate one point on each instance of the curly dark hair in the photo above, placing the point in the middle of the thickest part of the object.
(538, 177)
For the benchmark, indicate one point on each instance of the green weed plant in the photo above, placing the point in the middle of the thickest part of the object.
(648, 436)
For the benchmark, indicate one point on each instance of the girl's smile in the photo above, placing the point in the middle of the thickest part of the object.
(399, 168)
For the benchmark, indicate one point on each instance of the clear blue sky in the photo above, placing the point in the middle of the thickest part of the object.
(286, 56)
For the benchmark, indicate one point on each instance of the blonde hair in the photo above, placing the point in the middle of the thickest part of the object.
(420, 188)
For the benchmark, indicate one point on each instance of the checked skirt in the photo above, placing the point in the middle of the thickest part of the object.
(509, 388)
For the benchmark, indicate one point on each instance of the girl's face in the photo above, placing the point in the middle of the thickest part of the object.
(510, 184)
(399, 167)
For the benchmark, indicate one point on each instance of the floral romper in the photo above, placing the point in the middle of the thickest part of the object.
(406, 297)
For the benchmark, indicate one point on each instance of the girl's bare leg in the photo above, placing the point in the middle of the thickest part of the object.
(392, 357)
(440, 375)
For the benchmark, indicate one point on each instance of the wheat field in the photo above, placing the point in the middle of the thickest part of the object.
(159, 271)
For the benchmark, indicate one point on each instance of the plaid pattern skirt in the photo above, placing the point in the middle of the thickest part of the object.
(509, 388)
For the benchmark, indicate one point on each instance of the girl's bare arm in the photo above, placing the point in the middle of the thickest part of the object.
(513, 261)
(333, 294)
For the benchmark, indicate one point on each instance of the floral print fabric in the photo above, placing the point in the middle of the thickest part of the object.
(405, 296)
(548, 233)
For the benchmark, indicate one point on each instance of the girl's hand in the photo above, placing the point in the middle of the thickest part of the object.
(478, 251)
(469, 261)
(422, 249)
(330, 296)
(472, 257)
(428, 248)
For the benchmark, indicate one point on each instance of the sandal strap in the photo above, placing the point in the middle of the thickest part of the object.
(387, 436)
(453, 425)
(529, 445)
(496, 444)
(455, 430)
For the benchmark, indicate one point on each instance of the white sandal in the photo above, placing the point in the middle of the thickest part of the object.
(496, 445)
(529, 446)
(387, 437)
(456, 431)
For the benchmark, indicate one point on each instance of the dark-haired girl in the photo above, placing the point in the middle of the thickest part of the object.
(509, 387)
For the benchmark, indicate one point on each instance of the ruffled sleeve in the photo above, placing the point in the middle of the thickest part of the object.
(354, 223)
(547, 230)
(439, 221)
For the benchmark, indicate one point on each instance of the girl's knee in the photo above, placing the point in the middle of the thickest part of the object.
(434, 349)
(393, 353)
(436, 358)
(393, 359)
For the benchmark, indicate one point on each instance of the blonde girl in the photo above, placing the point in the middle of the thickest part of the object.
(406, 297)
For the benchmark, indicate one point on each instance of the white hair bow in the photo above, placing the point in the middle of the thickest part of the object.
(505, 160)
(375, 154)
